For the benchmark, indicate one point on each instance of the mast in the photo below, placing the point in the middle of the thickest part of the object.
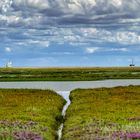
(132, 64)
(132, 61)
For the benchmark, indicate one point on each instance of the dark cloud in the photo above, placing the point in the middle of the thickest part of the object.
(69, 11)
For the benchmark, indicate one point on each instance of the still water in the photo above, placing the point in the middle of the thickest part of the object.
(68, 86)
(64, 87)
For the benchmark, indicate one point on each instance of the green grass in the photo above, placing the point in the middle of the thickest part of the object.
(68, 74)
(102, 113)
(30, 111)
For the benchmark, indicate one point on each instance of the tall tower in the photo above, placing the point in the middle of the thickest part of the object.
(132, 64)
(9, 64)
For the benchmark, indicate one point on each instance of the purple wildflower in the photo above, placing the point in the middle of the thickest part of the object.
(26, 136)
(126, 135)
(31, 123)
(133, 135)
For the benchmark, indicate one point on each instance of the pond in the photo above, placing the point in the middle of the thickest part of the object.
(68, 86)
(65, 87)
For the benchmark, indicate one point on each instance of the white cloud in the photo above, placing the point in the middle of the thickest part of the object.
(92, 49)
(39, 43)
(37, 4)
(120, 49)
(17, 19)
(78, 6)
(5, 5)
(8, 49)
(45, 43)
(128, 37)
(88, 31)
(79, 44)
(10, 19)
(115, 36)
(116, 2)
(72, 38)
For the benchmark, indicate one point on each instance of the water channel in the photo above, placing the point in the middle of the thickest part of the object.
(68, 86)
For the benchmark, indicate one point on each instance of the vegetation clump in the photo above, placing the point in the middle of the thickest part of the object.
(29, 114)
(103, 114)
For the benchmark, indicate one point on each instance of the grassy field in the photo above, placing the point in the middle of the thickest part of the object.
(68, 74)
(103, 114)
(29, 114)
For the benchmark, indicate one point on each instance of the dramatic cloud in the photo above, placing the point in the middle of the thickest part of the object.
(69, 27)
(72, 11)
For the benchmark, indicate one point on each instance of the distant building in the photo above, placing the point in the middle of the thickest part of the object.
(9, 64)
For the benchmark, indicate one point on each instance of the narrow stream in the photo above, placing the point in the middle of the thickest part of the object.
(65, 94)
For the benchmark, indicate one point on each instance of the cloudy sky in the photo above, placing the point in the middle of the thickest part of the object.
(70, 32)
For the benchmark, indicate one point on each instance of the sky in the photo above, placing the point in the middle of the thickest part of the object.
(69, 33)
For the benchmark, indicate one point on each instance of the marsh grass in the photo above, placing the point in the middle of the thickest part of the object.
(29, 114)
(103, 114)
(68, 74)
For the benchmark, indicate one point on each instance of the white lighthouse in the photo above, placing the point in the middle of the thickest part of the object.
(9, 64)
